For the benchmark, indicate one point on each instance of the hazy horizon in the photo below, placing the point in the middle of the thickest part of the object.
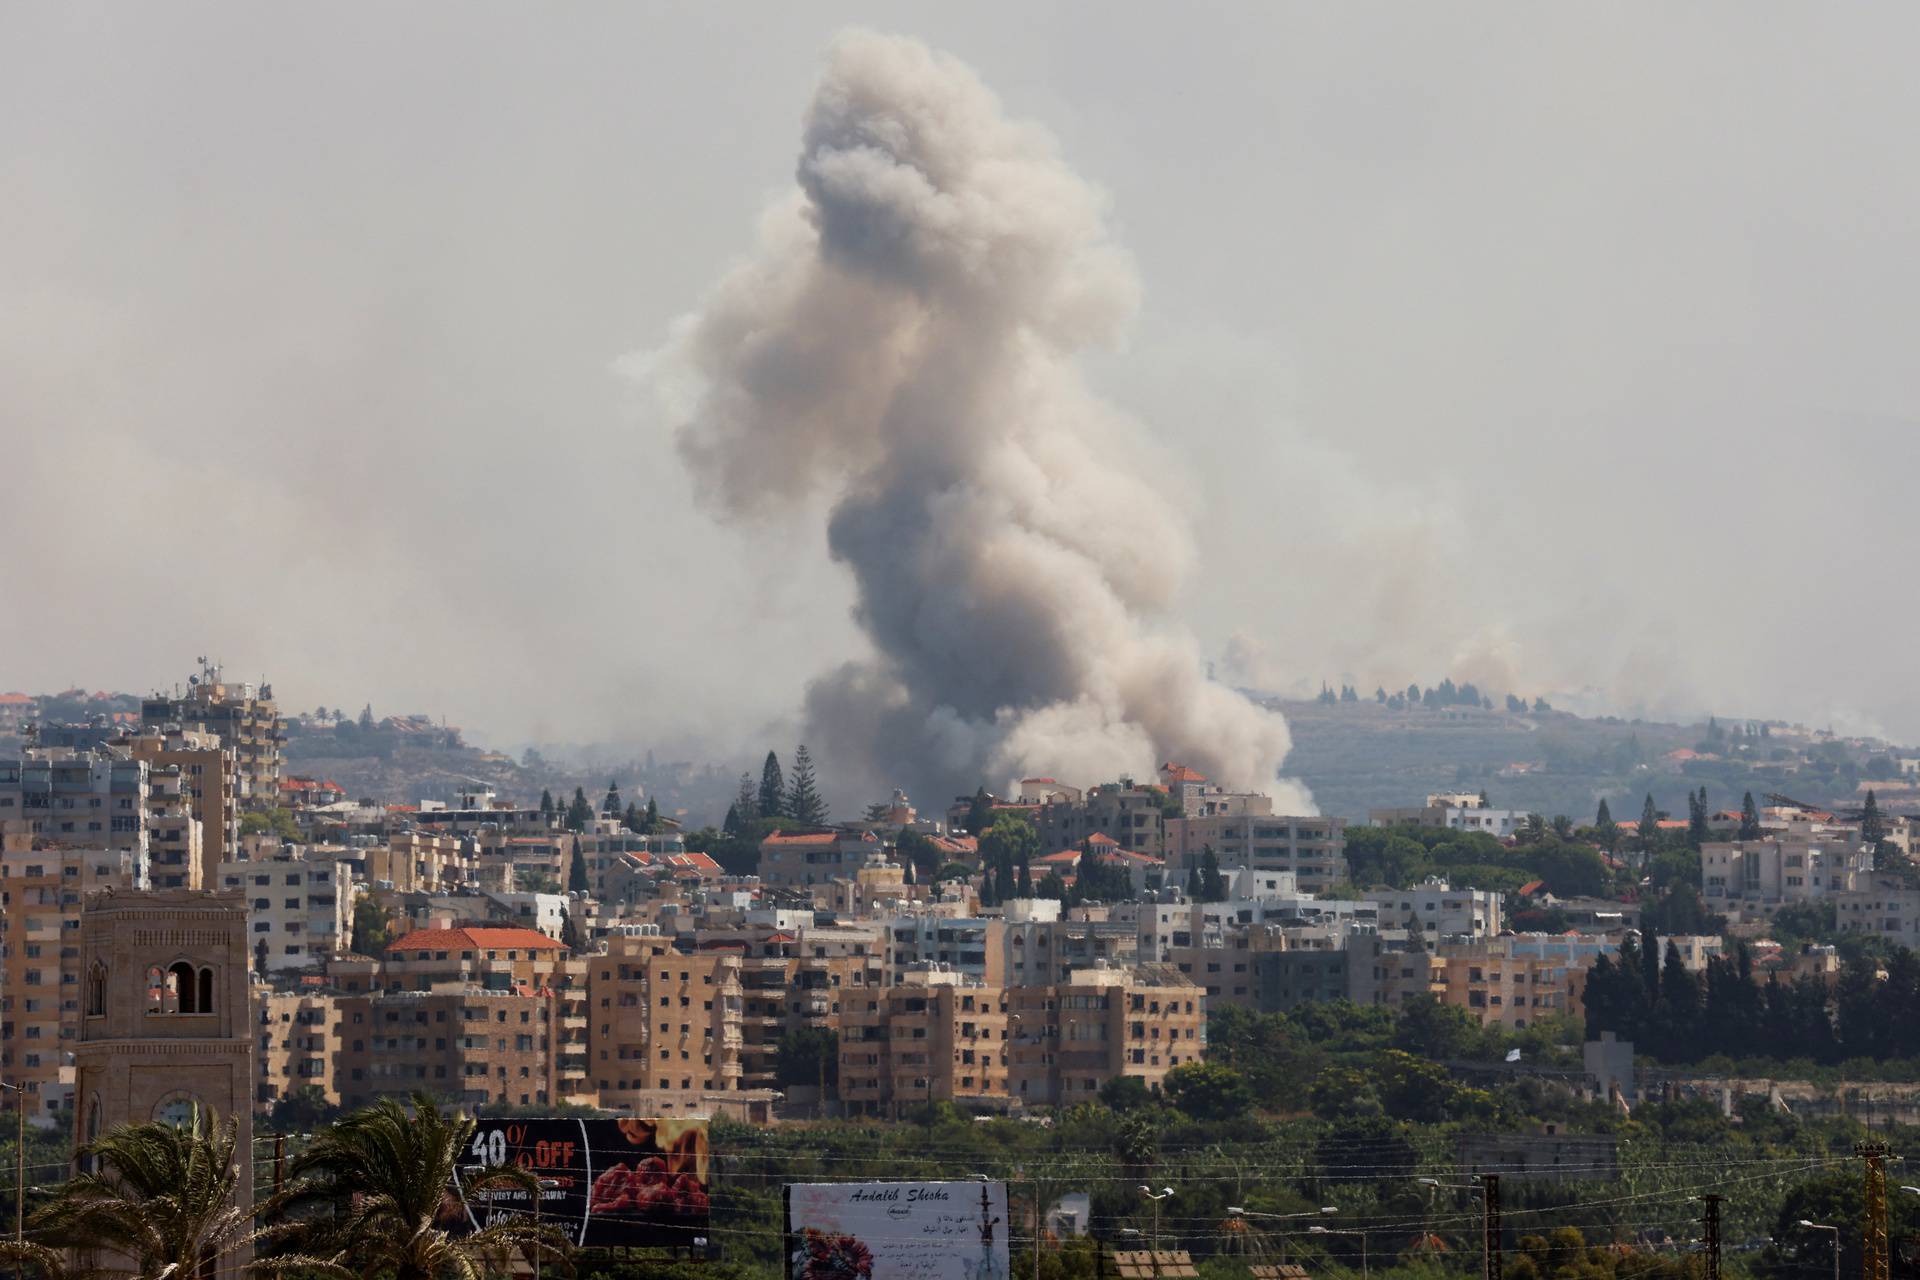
(1562, 352)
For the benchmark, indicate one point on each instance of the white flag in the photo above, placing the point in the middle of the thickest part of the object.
(1513, 1055)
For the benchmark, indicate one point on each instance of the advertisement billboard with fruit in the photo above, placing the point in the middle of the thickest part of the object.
(627, 1183)
(896, 1231)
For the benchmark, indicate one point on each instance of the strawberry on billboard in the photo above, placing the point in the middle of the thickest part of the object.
(626, 1183)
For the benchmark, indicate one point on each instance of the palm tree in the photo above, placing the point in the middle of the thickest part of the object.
(386, 1173)
(154, 1201)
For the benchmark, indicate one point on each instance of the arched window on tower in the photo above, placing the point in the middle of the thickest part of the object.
(205, 1004)
(158, 989)
(97, 990)
(184, 988)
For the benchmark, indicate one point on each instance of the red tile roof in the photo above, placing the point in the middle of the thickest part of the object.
(1180, 773)
(475, 939)
(801, 838)
(14, 699)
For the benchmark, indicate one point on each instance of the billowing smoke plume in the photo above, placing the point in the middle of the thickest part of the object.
(904, 343)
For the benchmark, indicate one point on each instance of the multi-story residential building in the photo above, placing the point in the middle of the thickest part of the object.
(1498, 987)
(302, 1034)
(972, 946)
(209, 772)
(1135, 817)
(43, 884)
(936, 1036)
(1435, 910)
(83, 798)
(175, 838)
(664, 1032)
(799, 858)
(243, 717)
(1801, 867)
(1105, 1021)
(299, 911)
(1385, 973)
(1285, 980)
(1313, 850)
(414, 861)
(1464, 811)
(1039, 948)
(1883, 907)
(486, 1015)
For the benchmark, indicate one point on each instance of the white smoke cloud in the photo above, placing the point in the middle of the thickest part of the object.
(903, 345)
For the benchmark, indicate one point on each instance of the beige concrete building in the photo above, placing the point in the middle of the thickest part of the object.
(242, 716)
(211, 777)
(301, 1036)
(1313, 850)
(664, 1031)
(43, 885)
(936, 1037)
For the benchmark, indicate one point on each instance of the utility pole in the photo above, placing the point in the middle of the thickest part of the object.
(1710, 1229)
(279, 1163)
(19, 1162)
(1490, 1224)
(1873, 1231)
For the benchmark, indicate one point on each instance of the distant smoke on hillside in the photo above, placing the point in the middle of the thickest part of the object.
(902, 344)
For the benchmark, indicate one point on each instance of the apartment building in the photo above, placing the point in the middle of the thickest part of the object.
(243, 717)
(1463, 811)
(971, 946)
(299, 911)
(1883, 907)
(83, 798)
(1434, 910)
(209, 772)
(936, 1036)
(1809, 865)
(665, 1026)
(1500, 988)
(793, 859)
(1106, 1021)
(302, 1033)
(43, 882)
(419, 862)
(484, 1015)
(1134, 817)
(1313, 850)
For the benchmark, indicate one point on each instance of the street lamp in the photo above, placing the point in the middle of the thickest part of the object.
(1148, 1192)
(1485, 1184)
(1821, 1226)
(1318, 1230)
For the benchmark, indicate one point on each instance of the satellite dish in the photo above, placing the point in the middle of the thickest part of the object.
(193, 679)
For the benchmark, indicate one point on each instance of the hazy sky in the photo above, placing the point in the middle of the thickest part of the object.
(1560, 350)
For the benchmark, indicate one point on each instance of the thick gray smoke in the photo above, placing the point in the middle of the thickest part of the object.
(904, 343)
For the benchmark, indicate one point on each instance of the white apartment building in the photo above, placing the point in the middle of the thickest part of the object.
(1799, 868)
(1312, 849)
(1434, 910)
(299, 912)
(1883, 908)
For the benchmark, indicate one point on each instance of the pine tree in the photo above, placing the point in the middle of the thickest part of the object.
(732, 826)
(1873, 828)
(577, 881)
(772, 800)
(1649, 831)
(366, 717)
(580, 812)
(1213, 886)
(546, 803)
(1605, 828)
(570, 931)
(745, 805)
(1749, 818)
(979, 813)
(803, 798)
(612, 806)
(632, 819)
(653, 816)
(1195, 890)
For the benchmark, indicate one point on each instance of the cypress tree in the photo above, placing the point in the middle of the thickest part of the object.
(745, 805)
(1023, 881)
(1749, 818)
(570, 931)
(1213, 887)
(1873, 828)
(733, 824)
(1649, 831)
(612, 806)
(979, 813)
(653, 816)
(772, 800)
(577, 881)
(1194, 887)
(803, 798)
(546, 803)
(1606, 828)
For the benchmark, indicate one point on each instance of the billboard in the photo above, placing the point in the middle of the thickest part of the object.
(631, 1182)
(896, 1231)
